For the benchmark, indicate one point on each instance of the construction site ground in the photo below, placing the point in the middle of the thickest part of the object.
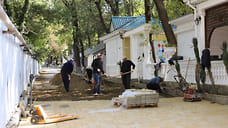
(99, 112)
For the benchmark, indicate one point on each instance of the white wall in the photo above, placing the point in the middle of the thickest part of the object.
(90, 60)
(185, 33)
(15, 68)
(218, 36)
(185, 46)
(113, 55)
(137, 49)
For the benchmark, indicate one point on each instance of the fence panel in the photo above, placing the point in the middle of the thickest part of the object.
(15, 69)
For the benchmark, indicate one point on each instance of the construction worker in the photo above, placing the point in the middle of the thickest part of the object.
(125, 72)
(89, 73)
(97, 66)
(154, 84)
(66, 71)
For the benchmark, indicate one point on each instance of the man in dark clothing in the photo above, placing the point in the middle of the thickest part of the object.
(154, 84)
(125, 72)
(206, 59)
(97, 66)
(89, 73)
(66, 71)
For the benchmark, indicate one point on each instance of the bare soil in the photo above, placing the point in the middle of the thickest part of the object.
(52, 88)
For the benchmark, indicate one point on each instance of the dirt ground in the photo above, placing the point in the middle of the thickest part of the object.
(51, 88)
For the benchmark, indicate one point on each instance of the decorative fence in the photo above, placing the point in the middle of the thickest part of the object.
(15, 69)
(188, 71)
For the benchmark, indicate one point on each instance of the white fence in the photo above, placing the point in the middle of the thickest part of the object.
(15, 69)
(188, 71)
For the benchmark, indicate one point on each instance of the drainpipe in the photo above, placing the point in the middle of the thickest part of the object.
(195, 11)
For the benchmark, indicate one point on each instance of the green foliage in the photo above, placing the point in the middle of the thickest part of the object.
(176, 8)
(46, 24)
(202, 76)
(177, 66)
(196, 50)
(225, 55)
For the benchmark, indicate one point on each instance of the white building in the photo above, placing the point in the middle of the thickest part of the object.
(130, 37)
(209, 24)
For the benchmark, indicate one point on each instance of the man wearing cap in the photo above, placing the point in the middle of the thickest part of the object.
(66, 71)
(97, 66)
(125, 72)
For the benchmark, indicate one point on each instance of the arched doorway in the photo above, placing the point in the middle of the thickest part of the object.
(216, 21)
(219, 35)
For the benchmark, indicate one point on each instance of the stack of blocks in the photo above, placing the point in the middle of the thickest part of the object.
(137, 97)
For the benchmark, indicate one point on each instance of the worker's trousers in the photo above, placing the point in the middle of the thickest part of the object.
(66, 80)
(154, 86)
(97, 79)
(126, 79)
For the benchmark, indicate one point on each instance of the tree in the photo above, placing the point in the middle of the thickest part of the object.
(71, 6)
(129, 7)
(114, 4)
(164, 20)
(148, 20)
(17, 12)
(98, 2)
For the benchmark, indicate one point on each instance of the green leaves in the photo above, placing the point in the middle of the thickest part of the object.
(46, 24)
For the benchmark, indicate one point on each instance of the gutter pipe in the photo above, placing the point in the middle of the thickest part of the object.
(195, 11)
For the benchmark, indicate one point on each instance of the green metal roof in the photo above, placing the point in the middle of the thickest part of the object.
(119, 21)
(128, 23)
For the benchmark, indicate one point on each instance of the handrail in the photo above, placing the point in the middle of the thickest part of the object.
(11, 28)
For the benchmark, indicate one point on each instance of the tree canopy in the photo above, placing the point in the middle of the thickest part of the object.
(52, 27)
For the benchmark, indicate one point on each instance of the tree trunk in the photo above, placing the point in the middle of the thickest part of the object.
(128, 4)
(71, 6)
(76, 42)
(100, 16)
(89, 41)
(147, 10)
(114, 5)
(164, 20)
(152, 47)
(148, 19)
(82, 52)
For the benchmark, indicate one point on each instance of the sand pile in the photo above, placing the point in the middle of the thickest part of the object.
(76, 82)
(80, 89)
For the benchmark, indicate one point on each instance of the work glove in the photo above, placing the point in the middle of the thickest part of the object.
(98, 70)
(69, 76)
(105, 75)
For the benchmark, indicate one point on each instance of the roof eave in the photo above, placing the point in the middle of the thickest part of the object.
(181, 20)
(194, 2)
(139, 29)
(112, 34)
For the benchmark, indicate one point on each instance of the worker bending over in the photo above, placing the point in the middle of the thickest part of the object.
(154, 84)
